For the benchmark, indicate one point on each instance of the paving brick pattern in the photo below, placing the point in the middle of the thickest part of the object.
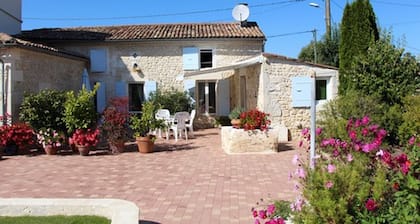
(192, 181)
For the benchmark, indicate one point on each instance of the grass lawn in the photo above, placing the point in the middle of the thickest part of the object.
(58, 219)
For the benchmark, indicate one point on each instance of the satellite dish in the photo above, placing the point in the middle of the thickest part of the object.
(240, 12)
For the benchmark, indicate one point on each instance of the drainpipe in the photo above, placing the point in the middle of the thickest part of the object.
(3, 94)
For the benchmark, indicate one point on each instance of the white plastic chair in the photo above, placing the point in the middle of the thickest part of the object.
(179, 125)
(163, 114)
(190, 123)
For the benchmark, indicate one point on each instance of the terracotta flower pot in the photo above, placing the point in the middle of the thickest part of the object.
(236, 123)
(50, 150)
(83, 150)
(117, 147)
(145, 144)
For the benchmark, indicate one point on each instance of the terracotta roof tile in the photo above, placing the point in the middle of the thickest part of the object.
(150, 31)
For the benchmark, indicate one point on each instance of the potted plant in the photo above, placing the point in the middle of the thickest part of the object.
(143, 125)
(50, 140)
(234, 117)
(115, 123)
(254, 120)
(84, 139)
(15, 137)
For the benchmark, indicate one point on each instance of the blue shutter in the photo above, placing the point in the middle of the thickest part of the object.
(301, 91)
(98, 60)
(101, 98)
(120, 89)
(149, 87)
(223, 95)
(190, 56)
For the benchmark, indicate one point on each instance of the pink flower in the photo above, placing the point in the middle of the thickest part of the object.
(257, 221)
(295, 159)
(329, 184)
(270, 209)
(349, 157)
(262, 214)
(318, 131)
(412, 140)
(331, 168)
(254, 213)
(305, 131)
(353, 135)
(297, 205)
(371, 205)
(300, 172)
(365, 120)
(300, 143)
(365, 131)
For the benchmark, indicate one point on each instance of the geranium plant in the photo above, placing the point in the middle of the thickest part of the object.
(19, 134)
(82, 137)
(48, 136)
(254, 119)
(115, 120)
(358, 179)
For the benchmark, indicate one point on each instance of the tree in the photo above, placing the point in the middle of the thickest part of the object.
(327, 50)
(357, 32)
(386, 71)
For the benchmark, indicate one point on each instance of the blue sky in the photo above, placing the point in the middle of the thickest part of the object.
(277, 18)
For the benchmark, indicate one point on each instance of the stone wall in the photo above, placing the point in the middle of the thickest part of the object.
(276, 97)
(32, 71)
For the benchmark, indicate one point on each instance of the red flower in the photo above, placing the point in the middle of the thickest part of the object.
(371, 205)
(85, 137)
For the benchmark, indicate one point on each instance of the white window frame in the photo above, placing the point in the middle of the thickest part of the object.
(328, 89)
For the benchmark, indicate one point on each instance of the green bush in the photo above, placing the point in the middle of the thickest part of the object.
(337, 112)
(410, 118)
(44, 110)
(172, 100)
(79, 110)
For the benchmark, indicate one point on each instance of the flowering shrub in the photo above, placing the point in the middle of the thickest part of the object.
(47, 136)
(359, 179)
(255, 119)
(19, 134)
(83, 137)
(115, 123)
(272, 213)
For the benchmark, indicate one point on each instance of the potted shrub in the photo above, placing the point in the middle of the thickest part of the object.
(50, 140)
(143, 125)
(15, 137)
(234, 117)
(254, 120)
(84, 139)
(115, 123)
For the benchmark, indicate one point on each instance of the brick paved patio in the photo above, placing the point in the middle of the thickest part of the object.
(190, 181)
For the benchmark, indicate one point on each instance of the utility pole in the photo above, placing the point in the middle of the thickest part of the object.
(328, 18)
(315, 53)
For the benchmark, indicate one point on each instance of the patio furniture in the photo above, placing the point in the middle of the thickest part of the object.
(190, 122)
(179, 124)
(164, 114)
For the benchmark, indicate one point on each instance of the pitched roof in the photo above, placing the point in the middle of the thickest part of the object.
(9, 41)
(149, 32)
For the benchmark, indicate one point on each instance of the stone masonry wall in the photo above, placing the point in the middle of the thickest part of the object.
(277, 98)
(32, 71)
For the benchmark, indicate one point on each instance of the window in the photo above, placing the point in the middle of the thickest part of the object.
(135, 96)
(207, 97)
(206, 58)
(98, 60)
(321, 89)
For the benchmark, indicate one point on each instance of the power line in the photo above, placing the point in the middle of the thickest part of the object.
(290, 34)
(164, 15)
